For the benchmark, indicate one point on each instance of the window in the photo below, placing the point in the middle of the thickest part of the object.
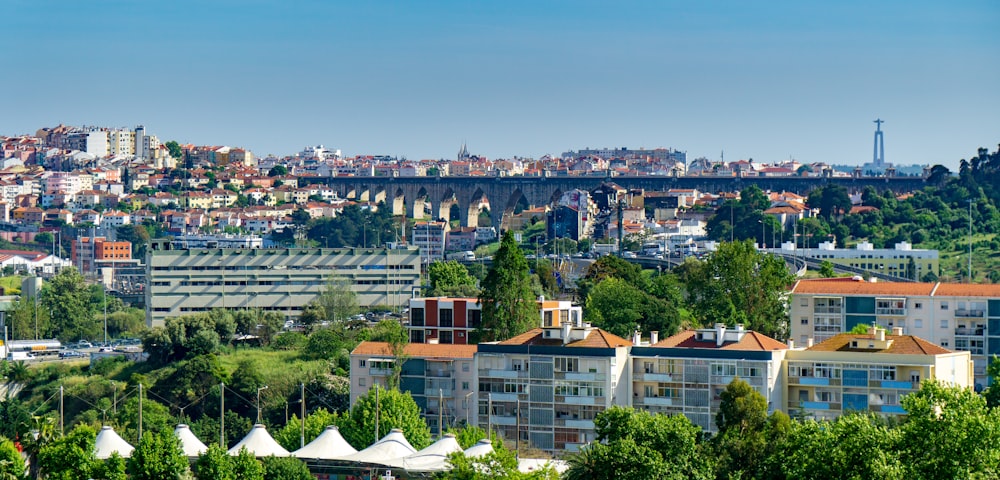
(475, 318)
(944, 323)
(361, 363)
(465, 385)
(805, 321)
(804, 302)
(567, 364)
(361, 382)
(446, 317)
(445, 337)
(882, 372)
(417, 317)
(465, 366)
(918, 305)
(944, 305)
(724, 369)
(918, 323)
(944, 343)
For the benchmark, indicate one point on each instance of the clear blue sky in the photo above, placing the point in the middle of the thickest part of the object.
(762, 80)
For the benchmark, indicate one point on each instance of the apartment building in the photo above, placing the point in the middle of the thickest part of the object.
(88, 254)
(903, 261)
(283, 280)
(546, 386)
(963, 317)
(440, 378)
(868, 372)
(453, 320)
(430, 237)
(687, 372)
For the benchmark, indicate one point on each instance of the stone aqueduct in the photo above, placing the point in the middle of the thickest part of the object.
(412, 195)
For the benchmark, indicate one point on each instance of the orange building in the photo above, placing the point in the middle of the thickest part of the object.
(90, 253)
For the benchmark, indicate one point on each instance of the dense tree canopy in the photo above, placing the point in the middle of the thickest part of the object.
(450, 279)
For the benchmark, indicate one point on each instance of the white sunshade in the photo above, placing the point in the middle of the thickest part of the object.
(434, 458)
(329, 445)
(109, 442)
(480, 449)
(390, 447)
(190, 444)
(260, 443)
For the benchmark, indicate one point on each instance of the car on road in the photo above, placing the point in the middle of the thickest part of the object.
(70, 354)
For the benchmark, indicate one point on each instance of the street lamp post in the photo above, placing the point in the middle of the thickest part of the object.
(258, 401)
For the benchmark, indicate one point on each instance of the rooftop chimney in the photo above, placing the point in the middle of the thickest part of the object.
(791, 344)
(566, 329)
(897, 331)
(720, 334)
(654, 337)
(809, 343)
(636, 338)
(880, 334)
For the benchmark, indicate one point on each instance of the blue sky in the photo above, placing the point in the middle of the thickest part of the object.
(761, 80)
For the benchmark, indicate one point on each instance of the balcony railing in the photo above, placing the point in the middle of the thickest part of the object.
(976, 332)
(440, 372)
(962, 312)
(894, 312)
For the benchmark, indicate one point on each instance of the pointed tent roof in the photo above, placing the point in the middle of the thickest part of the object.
(190, 444)
(390, 447)
(480, 449)
(109, 442)
(329, 445)
(434, 458)
(260, 443)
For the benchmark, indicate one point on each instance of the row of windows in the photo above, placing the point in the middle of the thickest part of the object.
(275, 283)
(251, 268)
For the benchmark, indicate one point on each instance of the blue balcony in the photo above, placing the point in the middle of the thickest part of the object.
(814, 381)
(896, 384)
(893, 409)
(816, 405)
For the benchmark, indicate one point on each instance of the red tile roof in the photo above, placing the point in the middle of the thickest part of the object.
(421, 350)
(901, 345)
(596, 338)
(750, 341)
(850, 286)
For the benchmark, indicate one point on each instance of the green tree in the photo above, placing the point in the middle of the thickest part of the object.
(24, 315)
(138, 235)
(15, 418)
(949, 433)
(337, 303)
(174, 149)
(11, 464)
(450, 279)
(277, 171)
(214, 464)
(826, 269)
(395, 410)
(70, 457)
(67, 297)
(286, 468)
(158, 457)
(114, 468)
(992, 392)
(246, 466)
(289, 437)
(830, 200)
(853, 446)
(740, 285)
(508, 303)
(620, 308)
(741, 419)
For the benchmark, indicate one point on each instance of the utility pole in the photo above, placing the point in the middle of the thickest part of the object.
(61, 412)
(376, 412)
(302, 433)
(440, 413)
(140, 412)
(222, 415)
(517, 441)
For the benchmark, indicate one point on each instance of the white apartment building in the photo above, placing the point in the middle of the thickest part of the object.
(440, 378)
(282, 280)
(547, 385)
(686, 373)
(963, 317)
(896, 262)
(430, 237)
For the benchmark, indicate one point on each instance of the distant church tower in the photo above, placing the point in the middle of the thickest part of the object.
(879, 155)
(463, 153)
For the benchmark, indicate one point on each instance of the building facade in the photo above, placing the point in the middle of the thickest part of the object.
(440, 378)
(429, 237)
(868, 372)
(283, 280)
(903, 261)
(963, 317)
(546, 386)
(453, 320)
(88, 254)
(686, 373)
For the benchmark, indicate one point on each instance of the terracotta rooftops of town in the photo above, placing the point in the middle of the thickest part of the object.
(898, 344)
(422, 350)
(853, 286)
(749, 341)
(596, 338)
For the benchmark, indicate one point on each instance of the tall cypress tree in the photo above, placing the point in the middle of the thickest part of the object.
(508, 303)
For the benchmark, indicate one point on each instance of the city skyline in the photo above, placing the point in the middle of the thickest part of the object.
(768, 82)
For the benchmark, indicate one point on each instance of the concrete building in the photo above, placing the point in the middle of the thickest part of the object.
(429, 237)
(903, 261)
(687, 372)
(443, 320)
(88, 254)
(869, 372)
(547, 385)
(440, 378)
(281, 280)
(964, 317)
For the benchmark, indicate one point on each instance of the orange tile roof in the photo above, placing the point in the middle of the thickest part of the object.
(850, 286)
(901, 345)
(422, 350)
(751, 341)
(596, 338)
(967, 290)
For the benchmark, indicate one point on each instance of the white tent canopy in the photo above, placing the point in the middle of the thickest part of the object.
(390, 447)
(329, 445)
(434, 458)
(259, 443)
(190, 444)
(482, 448)
(109, 442)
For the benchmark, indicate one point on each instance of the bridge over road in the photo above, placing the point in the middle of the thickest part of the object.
(413, 195)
